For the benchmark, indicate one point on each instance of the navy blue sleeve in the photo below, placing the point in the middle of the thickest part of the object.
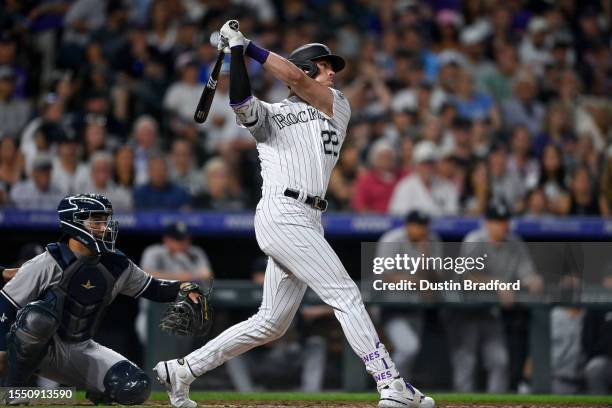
(160, 290)
(7, 317)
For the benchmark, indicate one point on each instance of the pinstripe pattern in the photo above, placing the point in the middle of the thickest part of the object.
(294, 154)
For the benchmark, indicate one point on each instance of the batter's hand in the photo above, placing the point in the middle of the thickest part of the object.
(231, 33)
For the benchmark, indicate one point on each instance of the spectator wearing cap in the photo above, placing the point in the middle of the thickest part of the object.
(100, 181)
(159, 192)
(12, 163)
(218, 194)
(66, 166)
(37, 192)
(523, 108)
(424, 190)
(534, 50)
(374, 187)
(460, 141)
(14, 111)
(506, 185)
(404, 327)
(482, 331)
(184, 94)
(176, 258)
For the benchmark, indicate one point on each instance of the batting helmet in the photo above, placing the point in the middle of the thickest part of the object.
(305, 56)
(79, 217)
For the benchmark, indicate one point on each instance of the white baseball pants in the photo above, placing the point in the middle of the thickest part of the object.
(290, 233)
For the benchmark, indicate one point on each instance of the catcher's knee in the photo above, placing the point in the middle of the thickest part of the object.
(126, 384)
(29, 339)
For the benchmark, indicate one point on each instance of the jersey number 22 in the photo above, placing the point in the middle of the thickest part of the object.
(330, 142)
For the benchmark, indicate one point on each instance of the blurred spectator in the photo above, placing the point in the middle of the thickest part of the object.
(100, 181)
(536, 204)
(404, 327)
(145, 143)
(506, 186)
(482, 331)
(534, 49)
(520, 159)
(552, 178)
(124, 172)
(581, 199)
(497, 79)
(37, 192)
(343, 177)
(218, 195)
(557, 130)
(183, 95)
(424, 190)
(176, 258)
(474, 105)
(14, 111)
(52, 113)
(159, 192)
(66, 167)
(12, 164)
(82, 18)
(606, 181)
(461, 141)
(476, 192)
(597, 345)
(182, 166)
(374, 187)
(523, 108)
(567, 357)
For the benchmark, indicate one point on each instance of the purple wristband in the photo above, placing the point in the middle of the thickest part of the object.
(257, 53)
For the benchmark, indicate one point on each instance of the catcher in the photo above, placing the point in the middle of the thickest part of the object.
(50, 309)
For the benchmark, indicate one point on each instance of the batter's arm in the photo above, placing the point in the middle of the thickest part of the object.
(313, 92)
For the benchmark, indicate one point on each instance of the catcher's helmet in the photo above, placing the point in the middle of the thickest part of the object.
(305, 56)
(74, 211)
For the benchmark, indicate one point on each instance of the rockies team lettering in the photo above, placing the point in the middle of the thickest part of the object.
(302, 116)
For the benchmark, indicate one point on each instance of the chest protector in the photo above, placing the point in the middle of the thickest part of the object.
(84, 291)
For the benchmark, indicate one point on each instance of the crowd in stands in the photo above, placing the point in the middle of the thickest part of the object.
(454, 103)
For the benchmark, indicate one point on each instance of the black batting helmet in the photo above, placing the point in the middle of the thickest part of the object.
(305, 56)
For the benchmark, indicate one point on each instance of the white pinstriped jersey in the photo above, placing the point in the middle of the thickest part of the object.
(299, 145)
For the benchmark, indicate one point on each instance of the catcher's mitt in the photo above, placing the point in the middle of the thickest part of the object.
(186, 318)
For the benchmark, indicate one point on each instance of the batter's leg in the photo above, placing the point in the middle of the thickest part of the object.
(302, 248)
(282, 296)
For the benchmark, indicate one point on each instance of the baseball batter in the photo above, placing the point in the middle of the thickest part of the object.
(298, 140)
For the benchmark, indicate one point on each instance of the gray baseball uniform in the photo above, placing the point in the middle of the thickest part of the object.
(83, 364)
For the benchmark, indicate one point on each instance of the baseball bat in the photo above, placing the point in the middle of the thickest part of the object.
(208, 93)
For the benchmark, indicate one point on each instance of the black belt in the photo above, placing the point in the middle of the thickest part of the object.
(313, 201)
